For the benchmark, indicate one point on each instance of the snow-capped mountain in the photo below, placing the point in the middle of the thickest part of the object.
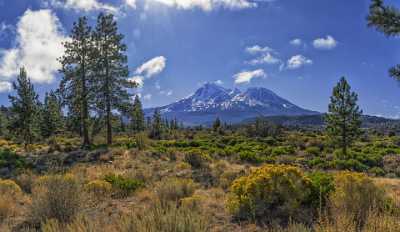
(211, 101)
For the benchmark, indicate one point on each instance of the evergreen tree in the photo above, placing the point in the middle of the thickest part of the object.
(52, 118)
(217, 124)
(111, 69)
(157, 125)
(25, 110)
(344, 116)
(386, 19)
(138, 123)
(3, 121)
(76, 85)
(148, 123)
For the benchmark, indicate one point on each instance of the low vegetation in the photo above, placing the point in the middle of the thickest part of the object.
(74, 170)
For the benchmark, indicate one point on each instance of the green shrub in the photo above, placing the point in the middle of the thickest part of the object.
(271, 194)
(123, 186)
(282, 150)
(9, 159)
(322, 186)
(376, 171)
(314, 151)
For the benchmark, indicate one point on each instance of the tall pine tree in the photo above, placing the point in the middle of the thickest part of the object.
(111, 69)
(386, 19)
(52, 118)
(25, 110)
(157, 125)
(77, 67)
(344, 116)
(138, 121)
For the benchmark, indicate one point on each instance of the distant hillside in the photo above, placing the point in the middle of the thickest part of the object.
(318, 121)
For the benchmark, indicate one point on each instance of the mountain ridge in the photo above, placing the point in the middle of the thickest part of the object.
(232, 106)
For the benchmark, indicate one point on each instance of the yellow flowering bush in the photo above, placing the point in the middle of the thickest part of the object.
(99, 188)
(271, 194)
(9, 187)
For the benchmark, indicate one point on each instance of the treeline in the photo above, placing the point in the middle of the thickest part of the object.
(94, 92)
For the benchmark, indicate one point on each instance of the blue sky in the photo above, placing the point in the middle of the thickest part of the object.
(297, 48)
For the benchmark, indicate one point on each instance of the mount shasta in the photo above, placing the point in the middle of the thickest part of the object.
(231, 106)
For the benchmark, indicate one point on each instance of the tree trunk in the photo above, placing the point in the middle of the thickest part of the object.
(108, 99)
(109, 126)
(85, 111)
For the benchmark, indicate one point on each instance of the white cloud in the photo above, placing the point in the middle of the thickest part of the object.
(84, 5)
(208, 5)
(152, 67)
(219, 82)
(157, 85)
(327, 43)
(257, 49)
(38, 45)
(298, 61)
(130, 3)
(296, 42)
(149, 69)
(5, 86)
(166, 92)
(138, 80)
(266, 58)
(247, 76)
(147, 97)
(5, 30)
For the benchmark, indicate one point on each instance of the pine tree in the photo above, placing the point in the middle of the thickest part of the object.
(25, 110)
(52, 118)
(3, 121)
(344, 117)
(76, 85)
(217, 125)
(157, 125)
(386, 19)
(138, 123)
(111, 69)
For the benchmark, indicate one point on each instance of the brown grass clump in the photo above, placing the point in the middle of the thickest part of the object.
(57, 197)
(355, 195)
(172, 190)
(165, 218)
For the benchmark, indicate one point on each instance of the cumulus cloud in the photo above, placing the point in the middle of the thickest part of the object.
(298, 61)
(148, 70)
(208, 5)
(152, 67)
(166, 92)
(296, 42)
(266, 55)
(139, 80)
(247, 76)
(219, 82)
(5, 86)
(130, 3)
(257, 49)
(85, 5)
(266, 58)
(327, 43)
(5, 30)
(147, 97)
(38, 45)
